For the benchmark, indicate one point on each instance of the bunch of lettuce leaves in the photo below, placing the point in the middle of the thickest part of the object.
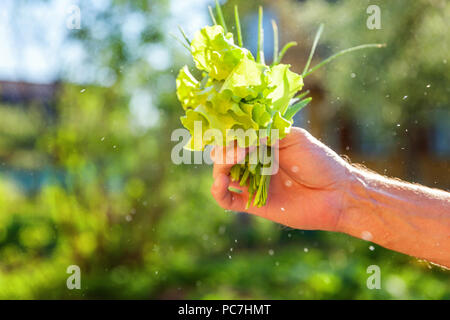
(237, 91)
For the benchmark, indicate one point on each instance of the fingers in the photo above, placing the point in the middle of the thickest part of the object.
(225, 158)
(219, 190)
(224, 197)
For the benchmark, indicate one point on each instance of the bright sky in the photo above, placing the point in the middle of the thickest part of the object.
(32, 36)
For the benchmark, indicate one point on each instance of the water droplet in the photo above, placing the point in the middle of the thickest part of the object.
(114, 146)
(353, 75)
(405, 97)
(282, 209)
(288, 183)
(231, 249)
(306, 249)
(294, 169)
(366, 235)
(128, 218)
(428, 85)
(102, 139)
(82, 90)
(277, 263)
(398, 124)
(271, 252)
(371, 248)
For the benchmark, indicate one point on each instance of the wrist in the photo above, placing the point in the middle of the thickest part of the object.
(358, 207)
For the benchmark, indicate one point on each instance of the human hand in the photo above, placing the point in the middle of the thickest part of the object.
(306, 192)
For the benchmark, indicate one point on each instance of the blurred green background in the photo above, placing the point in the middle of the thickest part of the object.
(86, 179)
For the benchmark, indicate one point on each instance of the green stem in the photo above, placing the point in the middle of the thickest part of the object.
(260, 53)
(301, 95)
(238, 26)
(180, 41)
(262, 181)
(211, 14)
(244, 176)
(340, 53)
(235, 190)
(313, 49)
(285, 48)
(220, 15)
(275, 42)
(184, 35)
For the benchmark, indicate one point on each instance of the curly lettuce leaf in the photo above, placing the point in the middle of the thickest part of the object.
(260, 114)
(283, 125)
(286, 84)
(219, 101)
(248, 80)
(188, 89)
(210, 119)
(215, 52)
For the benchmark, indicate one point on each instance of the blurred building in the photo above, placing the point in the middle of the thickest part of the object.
(18, 159)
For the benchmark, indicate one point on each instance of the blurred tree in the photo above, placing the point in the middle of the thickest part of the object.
(392, 96)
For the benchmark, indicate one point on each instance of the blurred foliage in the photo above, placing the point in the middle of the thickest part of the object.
(86, 185)
(383, 91)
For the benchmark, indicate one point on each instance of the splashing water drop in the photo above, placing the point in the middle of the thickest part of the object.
(366, 235)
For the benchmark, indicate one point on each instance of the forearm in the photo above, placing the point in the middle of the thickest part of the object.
(403, 217)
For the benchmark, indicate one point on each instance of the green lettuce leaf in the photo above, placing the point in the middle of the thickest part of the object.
(286, 84)
(188, 90)
(209, 118)
(215, 52)
(283, 125)
(248, 80)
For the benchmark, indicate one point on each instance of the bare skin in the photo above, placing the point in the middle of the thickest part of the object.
(315, 189)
